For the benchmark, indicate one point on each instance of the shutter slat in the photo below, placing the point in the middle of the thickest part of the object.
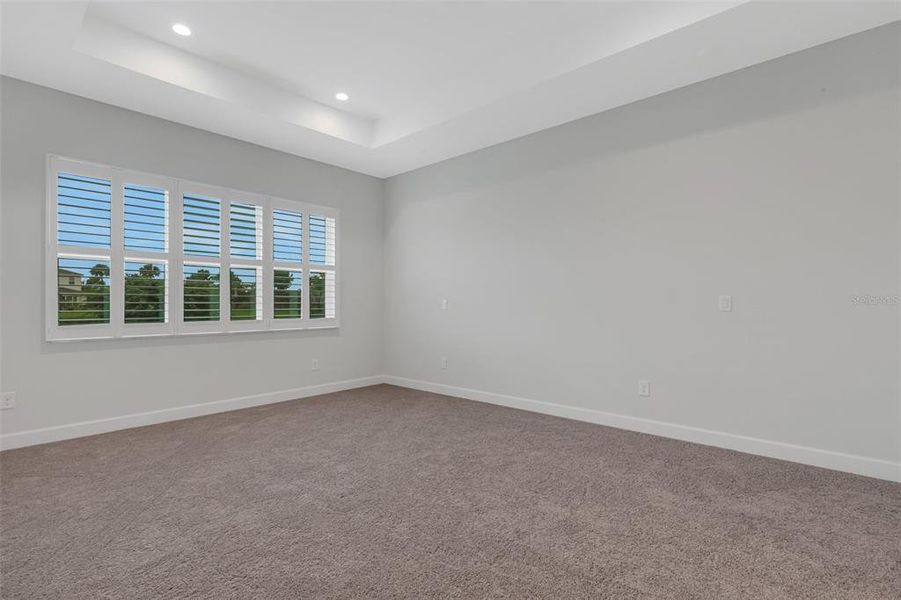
(82, 291)
(245, 295)
(287, 294)
(145, 292)
(151, 205)
(322, 240)
(203, 236)
(287, 232)
(83, 202)
(245, 230)
(322, 294)
(201, 293)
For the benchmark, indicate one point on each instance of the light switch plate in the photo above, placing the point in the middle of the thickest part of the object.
(725, 303)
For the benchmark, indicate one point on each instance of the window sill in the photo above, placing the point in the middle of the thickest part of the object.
(188, 334)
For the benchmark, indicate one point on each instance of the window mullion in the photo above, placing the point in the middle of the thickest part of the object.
(117, 253)
(267, 271)
(225, 313)
(305, 261)
(176, 258)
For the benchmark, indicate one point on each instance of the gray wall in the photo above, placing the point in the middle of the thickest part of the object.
(575, 261)
(63, 383)
(583, 258)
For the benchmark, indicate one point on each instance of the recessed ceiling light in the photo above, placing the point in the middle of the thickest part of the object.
(181, 29)
(343, 97)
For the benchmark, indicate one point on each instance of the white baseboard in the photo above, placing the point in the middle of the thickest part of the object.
(85, 428)
(850, 463)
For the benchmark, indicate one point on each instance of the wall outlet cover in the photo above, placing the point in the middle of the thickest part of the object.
(7, 400)
(644, 387)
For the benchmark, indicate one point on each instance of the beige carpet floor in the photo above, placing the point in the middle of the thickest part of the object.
(384, 492)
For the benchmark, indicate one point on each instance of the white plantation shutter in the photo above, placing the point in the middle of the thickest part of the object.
(287, 236)
(203, 271)
(246, 294)
(322, 240)
(321, 280)
(287, 282)
(84, 206)
(202, 225)
(144, 263)
(146, 218)
(146, 292)
(322, 294)
(287, 293)
(83, 294)
(201, 293)
(123, 260)
(245, 260)
(246, 231)
(80, 282)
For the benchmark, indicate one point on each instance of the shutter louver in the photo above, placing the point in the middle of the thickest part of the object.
(201, 292)
(146, 218)
(322, 241)
(201, 225)
(322, 295)
(83, 296)
(246, 300)
(145, 292)
(83, 211)
(245, 230)
(287, 293)
(287, 236)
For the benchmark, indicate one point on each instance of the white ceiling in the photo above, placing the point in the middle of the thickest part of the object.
(427, 80)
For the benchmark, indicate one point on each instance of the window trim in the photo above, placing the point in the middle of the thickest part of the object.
(175, 259)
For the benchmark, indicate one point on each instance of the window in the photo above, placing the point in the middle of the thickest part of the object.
(201, 285)
(134, 254)
(322, 274)
(83, 291)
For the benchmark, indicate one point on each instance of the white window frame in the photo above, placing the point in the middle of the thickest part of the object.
(175, 258)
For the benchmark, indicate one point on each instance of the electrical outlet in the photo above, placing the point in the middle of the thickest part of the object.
(444, 304)
(315, 365)
(443, 363)
(7, 400)
(725, 303)
(644, 387)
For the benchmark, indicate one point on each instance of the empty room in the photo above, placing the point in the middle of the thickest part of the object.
(557, 300)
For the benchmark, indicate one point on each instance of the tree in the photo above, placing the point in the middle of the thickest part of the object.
(287, 302)
(243, 298)
(99, 273)
(317, 295)
(201, 296)
(96, 294)
(145, 296)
